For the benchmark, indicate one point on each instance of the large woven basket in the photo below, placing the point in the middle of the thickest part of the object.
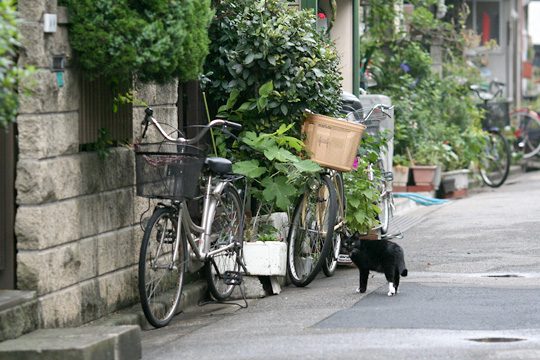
(331, 142)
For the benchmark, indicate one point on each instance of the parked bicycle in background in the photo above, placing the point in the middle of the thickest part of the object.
(494, 163)
(527, 132)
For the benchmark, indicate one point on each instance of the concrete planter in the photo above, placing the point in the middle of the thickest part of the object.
(266, 258)
(455, 183)
(401, 176)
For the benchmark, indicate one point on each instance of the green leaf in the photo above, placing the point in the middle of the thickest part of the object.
(277, 190)
(249, 59)
(249, 168)
(232, 99)
(307, 166)
(280, 154)
(261, 103)
(266, 89)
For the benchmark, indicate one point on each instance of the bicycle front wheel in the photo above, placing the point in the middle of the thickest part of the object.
(529, 127)
(311, 231)
(227, 228)
(495, 160)
(161, 275)
(330, 265)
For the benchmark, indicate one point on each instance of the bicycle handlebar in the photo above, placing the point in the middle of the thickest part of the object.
(382, 107)
(149, 118)
(494, 90)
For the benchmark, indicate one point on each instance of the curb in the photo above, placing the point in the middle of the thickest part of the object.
(91, 343)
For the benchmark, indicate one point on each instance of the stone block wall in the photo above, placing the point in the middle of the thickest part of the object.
(77, 215)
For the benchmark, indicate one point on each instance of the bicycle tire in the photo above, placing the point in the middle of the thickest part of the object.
(330, 265)
(227, 226)
(311, 231)
(530, 134)
(495, 162)
(160, 279)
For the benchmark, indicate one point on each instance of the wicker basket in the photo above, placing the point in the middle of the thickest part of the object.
(332, 143)
(168, 170)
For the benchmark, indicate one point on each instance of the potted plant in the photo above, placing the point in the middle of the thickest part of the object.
(400, 171)
(425, 161)
(266, 252)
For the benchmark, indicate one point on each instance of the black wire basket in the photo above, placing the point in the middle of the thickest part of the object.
(168, 170)
(496, 114)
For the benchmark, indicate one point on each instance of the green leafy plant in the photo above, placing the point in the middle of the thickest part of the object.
(277, 172)
(10, 73)
(154, 40)
(257, 42)
(361, 192)
(436, 118)
(267, 64)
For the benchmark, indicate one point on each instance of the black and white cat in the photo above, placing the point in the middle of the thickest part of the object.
(378, 255)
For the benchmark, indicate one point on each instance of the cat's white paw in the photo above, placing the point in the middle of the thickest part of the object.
(357, 290)
(391, 289)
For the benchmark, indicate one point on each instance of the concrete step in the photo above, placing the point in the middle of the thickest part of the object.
(89, 343)
(18, 313)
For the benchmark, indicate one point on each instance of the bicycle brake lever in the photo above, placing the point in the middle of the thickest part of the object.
(226, 131)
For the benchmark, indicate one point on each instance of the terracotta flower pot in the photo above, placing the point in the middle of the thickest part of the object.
(424, 174)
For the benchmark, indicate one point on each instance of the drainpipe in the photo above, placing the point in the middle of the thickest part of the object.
(356, 47)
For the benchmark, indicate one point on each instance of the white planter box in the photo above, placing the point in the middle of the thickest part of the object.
(266, 258)
(461, 178)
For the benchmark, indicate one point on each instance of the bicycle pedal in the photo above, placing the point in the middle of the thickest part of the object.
(232, 278)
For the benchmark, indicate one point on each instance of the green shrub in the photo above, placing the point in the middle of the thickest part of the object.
(154, 40)
(10, 73)
(268, 63)
(436, 119)
(255, 42)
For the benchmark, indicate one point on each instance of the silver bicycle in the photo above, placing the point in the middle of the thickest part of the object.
(173, 241)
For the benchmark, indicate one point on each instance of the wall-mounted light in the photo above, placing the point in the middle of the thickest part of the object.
(49, 23)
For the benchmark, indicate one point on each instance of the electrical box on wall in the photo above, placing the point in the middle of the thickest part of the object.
(49, 23)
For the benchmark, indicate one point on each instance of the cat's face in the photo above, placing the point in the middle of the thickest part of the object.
(351, 242)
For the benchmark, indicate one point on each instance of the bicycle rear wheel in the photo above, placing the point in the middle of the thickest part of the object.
(495, 160)
(227, 228)
(160, 276)
(529, 142)
(330, 265)
(311, 231)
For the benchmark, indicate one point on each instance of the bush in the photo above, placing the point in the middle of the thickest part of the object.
(154, 40)
(257, 42)
(267, 64)
(436, 119)
(10, 74)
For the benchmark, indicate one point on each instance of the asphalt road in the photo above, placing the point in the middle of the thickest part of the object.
(472, 293)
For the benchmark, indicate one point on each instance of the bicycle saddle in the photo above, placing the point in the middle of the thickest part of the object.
(219, 165)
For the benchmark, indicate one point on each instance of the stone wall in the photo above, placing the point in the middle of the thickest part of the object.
(77, 219)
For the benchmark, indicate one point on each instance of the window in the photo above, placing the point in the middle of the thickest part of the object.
(485, 19)
(98, 118)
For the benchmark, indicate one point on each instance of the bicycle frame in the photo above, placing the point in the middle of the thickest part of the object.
(199, 245)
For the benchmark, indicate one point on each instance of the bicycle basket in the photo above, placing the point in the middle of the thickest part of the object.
(496, 114)
(168, 170)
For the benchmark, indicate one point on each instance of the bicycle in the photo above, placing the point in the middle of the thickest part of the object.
(527, 132)
(384, 179)
(170, 171)
(494, 163)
